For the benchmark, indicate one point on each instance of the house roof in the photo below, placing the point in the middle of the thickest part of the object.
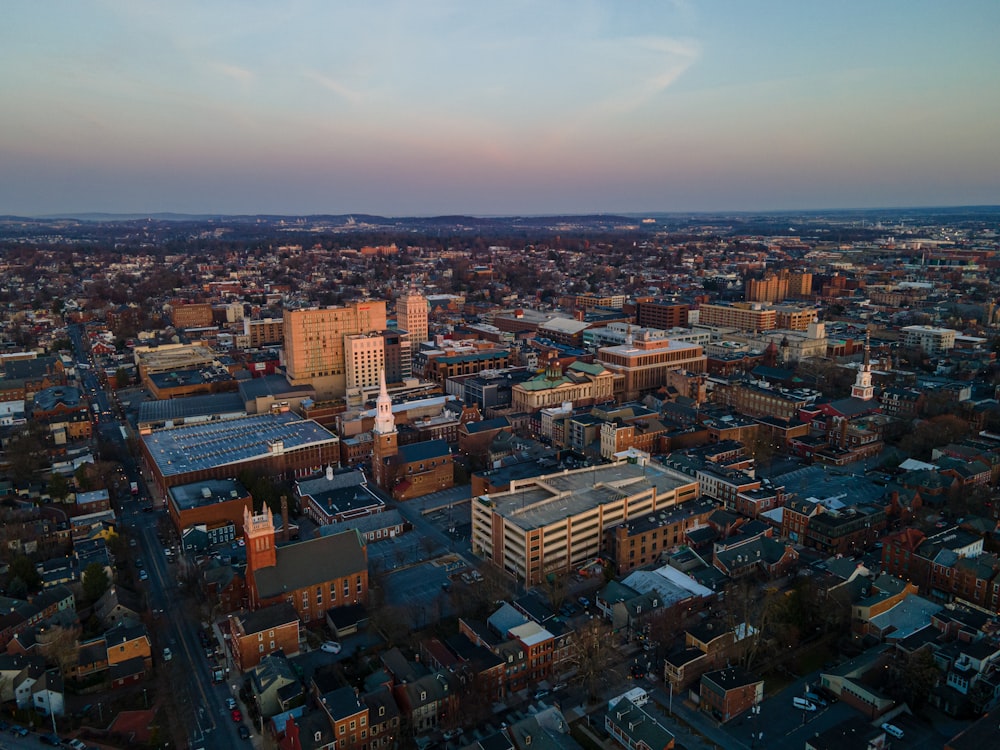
(267, 618)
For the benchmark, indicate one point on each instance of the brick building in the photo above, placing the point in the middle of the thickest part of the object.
(213, 502)
(254, 635)
(312, 575)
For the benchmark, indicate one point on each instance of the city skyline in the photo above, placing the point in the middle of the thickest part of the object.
(427, 109)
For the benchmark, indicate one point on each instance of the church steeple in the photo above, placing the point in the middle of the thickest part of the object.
(862, 388)
(385, 444)
(384, 421)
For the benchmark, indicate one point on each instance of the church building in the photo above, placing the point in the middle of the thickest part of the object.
(406, 471)
(313, 575)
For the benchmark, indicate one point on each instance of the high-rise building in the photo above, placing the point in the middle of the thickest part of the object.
(364, 354)
(411, 316)
(314, 343)
(771, 288)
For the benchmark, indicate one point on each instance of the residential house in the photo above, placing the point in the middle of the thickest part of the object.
(428, 701)
(255, 635)
(728, 692)
(635, 728)
(275, 685)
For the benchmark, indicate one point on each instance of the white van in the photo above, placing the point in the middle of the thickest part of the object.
(893, 730)
(803, 704)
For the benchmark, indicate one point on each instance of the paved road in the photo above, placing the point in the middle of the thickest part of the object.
(202, 703)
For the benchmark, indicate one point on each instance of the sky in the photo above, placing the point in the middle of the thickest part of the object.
(412, 108)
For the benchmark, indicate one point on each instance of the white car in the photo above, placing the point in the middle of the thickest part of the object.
(167, 654)
(330, 647)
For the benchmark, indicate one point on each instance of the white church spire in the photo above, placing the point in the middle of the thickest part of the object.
(384, 421)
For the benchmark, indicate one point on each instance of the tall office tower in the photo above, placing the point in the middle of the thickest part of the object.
(411, 316)
(314, 343)
(398, 362)
(364, 354)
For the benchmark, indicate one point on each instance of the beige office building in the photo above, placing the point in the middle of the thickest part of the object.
(557, 523)
(411, 316)
(365, 357)
(644, 360)
(314, 343)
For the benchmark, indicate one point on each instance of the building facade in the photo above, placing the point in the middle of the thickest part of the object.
(314, 343)
(556, 523)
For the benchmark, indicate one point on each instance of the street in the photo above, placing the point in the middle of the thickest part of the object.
(200, 703)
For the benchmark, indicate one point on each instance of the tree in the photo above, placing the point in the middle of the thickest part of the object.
(555, 588)
(59, 645)
(933, 433)
(58, 487)
(121, 378)
(911, 678)
(95, 582)
(594, 654)
(21, 567)
(26, 452)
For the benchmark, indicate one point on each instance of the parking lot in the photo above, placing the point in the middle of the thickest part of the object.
(420, 588)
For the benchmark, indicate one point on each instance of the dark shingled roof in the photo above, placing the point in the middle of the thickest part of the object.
(313, 562)
(424, 451)
(269, 617)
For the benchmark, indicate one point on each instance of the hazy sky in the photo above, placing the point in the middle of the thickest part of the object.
(466, 106)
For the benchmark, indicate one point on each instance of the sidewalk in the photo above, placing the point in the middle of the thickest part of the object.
(706, 732)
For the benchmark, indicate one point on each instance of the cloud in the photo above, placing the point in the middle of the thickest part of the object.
(662, 61)
(237, 73)
(335, 86)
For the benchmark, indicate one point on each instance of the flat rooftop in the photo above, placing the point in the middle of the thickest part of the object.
(199, 447)
(661, 345)
(553, 497)
(222, 404)
(206, 492)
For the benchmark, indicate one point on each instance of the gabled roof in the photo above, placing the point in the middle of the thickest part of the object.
(311, 563)
(425, 451)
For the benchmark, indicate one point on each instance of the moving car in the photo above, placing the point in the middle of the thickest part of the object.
(167, 654)
(231, 703)
(237, 716)
(244, 732)
(331, 647)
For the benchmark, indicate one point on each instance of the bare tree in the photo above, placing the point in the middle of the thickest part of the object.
(59, 645)
(556, 589)
(594, 653)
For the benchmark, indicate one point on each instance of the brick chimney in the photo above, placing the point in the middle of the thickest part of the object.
(285, 534)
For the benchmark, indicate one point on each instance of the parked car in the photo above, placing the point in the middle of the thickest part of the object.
(77, 744)
(231, 703)
(330, 647)
(244, 732)
(803, 704)
(143, 575)
(237, 716)
(51, 739)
